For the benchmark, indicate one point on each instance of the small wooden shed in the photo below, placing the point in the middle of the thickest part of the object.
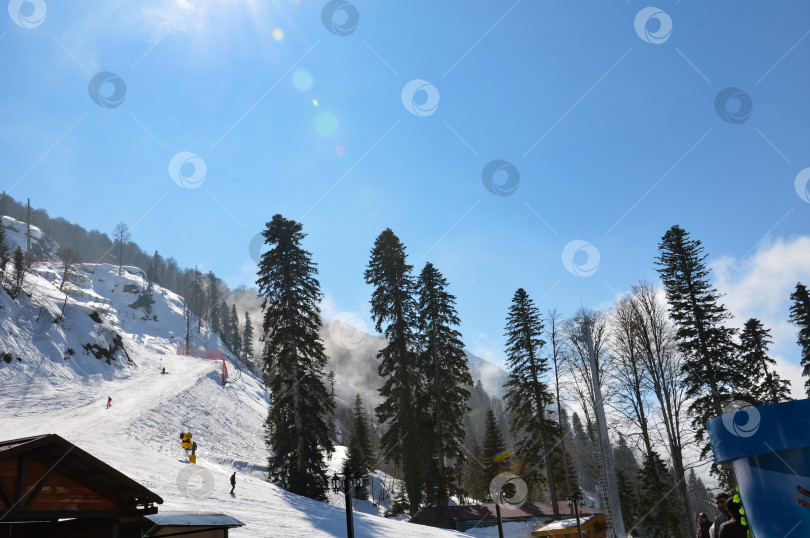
(51, 487)
(593, 526)
(461, 518)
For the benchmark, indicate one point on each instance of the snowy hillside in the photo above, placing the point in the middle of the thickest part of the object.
(57, 371)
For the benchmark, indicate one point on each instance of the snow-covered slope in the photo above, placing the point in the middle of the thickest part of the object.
(54, 378)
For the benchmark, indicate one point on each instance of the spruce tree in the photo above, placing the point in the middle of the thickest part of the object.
(5, 253)
(663, 519)
(800, 317)
(528, 394)
(474, 485)
(448, 375)
(224, 323)
(247, 339)
(296, 425)
(403, 391)
(360, 456)
(712, 373)
(765, 385)
(19, 273)
(212, 305)
(494, 457)
(628, 498)
(234, 332)
(157, 264)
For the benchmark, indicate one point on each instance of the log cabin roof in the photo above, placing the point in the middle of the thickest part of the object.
(35, 473)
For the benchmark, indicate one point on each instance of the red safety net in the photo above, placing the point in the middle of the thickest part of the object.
(205, 353)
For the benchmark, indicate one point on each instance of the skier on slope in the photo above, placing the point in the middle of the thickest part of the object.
(233, 482)
(109, 402)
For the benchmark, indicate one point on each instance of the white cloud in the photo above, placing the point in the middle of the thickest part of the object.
(760, 286)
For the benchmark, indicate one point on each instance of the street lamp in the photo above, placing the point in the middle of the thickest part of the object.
(574, 502)
(346, 482)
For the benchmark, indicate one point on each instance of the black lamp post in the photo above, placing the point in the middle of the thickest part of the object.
(574, 502)
(346, 482)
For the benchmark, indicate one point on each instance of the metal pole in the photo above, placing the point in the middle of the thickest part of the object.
(607, 456)
(579, 527)
(500, 523)
(349, 523)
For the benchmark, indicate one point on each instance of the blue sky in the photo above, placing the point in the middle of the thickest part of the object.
(607, 114)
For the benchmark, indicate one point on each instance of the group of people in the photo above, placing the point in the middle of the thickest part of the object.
(729, 524)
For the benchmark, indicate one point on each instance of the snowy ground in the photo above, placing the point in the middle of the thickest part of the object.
(48, 390)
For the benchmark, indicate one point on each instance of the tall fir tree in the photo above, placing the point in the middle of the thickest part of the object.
(474, 486)
(296, 425)
(224, 314)
(448, 375)
(157, 265)
(528, 395)
(493, 451)
(628, 498)
(235, 332)
(712, 373)
(800, 317)
(5, 253)
(360, 456)
(247, 339)
(19, 273)
(212, 305)
(393, 311)
(663, 518)
(765, 384)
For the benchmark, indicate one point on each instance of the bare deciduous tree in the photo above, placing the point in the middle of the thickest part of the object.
(69, 259)
(121, 235)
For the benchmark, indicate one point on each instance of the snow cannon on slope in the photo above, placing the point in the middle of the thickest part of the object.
(768, 447)
(189, 446)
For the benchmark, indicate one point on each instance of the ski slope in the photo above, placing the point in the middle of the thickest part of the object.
(45, 389)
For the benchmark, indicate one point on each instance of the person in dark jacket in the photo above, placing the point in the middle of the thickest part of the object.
(720, 501)
(703, 526)
(109, 402)
(233, 482)
(733, 528)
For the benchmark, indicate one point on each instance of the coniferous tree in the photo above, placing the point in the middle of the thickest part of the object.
(493, 451)
(297, 430)
(403, 391)
(663, 518)
(701, 499)
(628, 498)
(146, 296)
(528, 395)
(474, 484)
(157, 264)
(235, 333)
(5, 253)
(712, 373)
(247, 339)
(19, 272)
(448, 375)
(766, 385)
(800, 317)
(224, 323)
(583, 453)
(360, 455)
(213, 305)
(330, 377)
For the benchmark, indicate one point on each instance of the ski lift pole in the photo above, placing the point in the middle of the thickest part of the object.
(607, 457)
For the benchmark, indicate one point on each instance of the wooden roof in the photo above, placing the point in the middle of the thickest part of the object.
(46, 477)
(479, 512)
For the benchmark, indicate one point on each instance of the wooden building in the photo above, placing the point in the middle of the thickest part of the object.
(593, 526)
(51, 487)
(461, 518)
